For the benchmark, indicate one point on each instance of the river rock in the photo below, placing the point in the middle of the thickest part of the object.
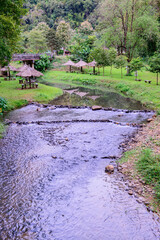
(109, 169)
(130, 192)
(149, 119)
(96, 108)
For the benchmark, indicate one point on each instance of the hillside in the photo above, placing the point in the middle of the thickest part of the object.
(51, 11)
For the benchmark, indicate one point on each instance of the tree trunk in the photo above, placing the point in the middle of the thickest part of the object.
(121, 73)
(157, 78)
(111, 71)
(94, 70)
(128, 71)
(103, 71)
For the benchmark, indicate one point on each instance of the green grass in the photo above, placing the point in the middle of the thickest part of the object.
(16, 97)
(2, 129)
(148, 94)
(148, 166)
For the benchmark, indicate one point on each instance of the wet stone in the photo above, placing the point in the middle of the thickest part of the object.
(109, 169)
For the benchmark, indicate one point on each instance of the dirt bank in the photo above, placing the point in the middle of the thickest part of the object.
(148, 137)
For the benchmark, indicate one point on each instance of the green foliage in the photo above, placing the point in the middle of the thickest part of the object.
(63, 33)
(2, 129)
(85, 81)
(100, 56)
(3, 105)
(136, 64)
(120, 62)
(128, 26)
(124, 89)
(10, 20)
(74, 12)
(53, 41)
(85, 28)
(154, 63)
(43, 64)
(149, 167)
(82, 47)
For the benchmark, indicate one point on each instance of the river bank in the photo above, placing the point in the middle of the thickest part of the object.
(148, 138)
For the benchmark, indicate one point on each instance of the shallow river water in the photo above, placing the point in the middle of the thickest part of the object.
(52, 180)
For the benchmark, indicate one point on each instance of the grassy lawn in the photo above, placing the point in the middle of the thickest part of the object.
(16, 97)
(148, 94)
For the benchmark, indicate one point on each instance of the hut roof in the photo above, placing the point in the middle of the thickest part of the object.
(69, 63)
(4, 69)
(24, 67)
(92, 64)
(29, 72)
(12, 68)
(9, 67)
(27, 57)
(81, 64)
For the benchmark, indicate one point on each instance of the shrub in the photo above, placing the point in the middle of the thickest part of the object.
(149, 167)
(3, 105)
(84, 81)
(122, 87)
(43, 64)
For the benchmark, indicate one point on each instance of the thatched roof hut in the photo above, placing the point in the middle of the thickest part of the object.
(69, 63)
(92, 64)
(81, 64)
(29, 72)
(9, 68)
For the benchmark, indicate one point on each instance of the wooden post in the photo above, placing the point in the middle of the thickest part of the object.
(94, 70)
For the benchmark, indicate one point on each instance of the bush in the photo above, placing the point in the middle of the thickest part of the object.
(149, 167)
(85, 81)
(122, 87)
(43, 64)
(3, 105)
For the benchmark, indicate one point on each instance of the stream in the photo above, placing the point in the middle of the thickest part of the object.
(52, 180)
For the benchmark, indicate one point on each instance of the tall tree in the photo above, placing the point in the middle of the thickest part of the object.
(128, 25)
(52, 40)
(63, 33)
(10, 20)
(154, 63)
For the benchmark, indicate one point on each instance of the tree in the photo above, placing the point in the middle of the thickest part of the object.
(63, 33)
(37, 41)
(52, 40)
(81, 47)
(10, 20)
(127, 25)
(86, 28)
(100, 55)
(154, 63)
(120, 62)
(135, 65)
(111, 56)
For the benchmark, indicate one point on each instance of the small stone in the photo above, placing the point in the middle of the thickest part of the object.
(130, 192)
(54, 157)
(66, 139)
(96, 108)
(149, 120)
(109, 169)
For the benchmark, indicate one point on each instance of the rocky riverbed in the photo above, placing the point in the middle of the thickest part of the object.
(53, 181)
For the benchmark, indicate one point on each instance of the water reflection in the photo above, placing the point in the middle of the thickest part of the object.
(102, 98)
